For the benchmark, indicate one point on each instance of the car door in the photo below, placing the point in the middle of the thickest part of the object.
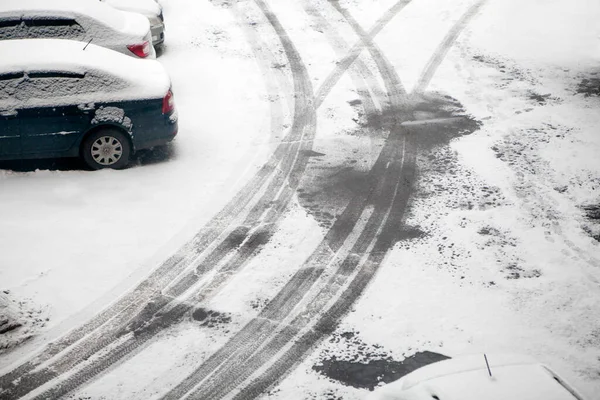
(10, 138)
(55, 121)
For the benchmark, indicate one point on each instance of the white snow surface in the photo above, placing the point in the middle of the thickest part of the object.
(506, 262)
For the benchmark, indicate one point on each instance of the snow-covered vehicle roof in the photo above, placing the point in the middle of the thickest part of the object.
(92, 20)
(467, 378)
(120, 77)
(149, 8)
(66, 8)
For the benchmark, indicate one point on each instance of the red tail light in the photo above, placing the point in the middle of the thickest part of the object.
(168, 103)
(141, 50)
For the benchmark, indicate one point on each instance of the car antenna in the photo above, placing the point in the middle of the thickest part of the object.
(88, 44)
(488, 364)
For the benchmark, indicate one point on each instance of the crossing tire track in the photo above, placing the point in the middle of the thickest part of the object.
(363, 79)
(345, 63)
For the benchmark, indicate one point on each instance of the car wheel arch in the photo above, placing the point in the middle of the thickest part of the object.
(107, 125)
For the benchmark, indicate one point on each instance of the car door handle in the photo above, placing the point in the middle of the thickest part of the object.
(9, 113)
(86, 108)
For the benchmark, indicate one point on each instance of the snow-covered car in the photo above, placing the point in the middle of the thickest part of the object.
(509, 377)
(57, 100)
(148, 8)
(82, 20)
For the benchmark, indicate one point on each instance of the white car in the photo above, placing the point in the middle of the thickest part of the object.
(509, 377)
(81, 20)
(149, 9)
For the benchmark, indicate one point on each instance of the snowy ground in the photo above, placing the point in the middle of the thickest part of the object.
(500, 247)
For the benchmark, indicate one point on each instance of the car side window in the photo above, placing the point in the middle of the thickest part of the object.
(45, 88)
(42, 87)
(53, 28)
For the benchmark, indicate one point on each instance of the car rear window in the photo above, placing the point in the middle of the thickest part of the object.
(53, 28)
(58, 74)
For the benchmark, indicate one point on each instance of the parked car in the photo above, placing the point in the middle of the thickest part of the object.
(148, 8)
(468, 378)
(82, 20)
(58, 100)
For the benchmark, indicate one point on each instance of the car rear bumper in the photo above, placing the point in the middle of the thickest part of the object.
(158, 34)
(167, 133)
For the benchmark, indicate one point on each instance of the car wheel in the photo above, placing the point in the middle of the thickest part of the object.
(106, 148)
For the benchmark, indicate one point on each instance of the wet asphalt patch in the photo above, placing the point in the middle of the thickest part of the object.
(592, 215)
(329, 184)
(210, 318)
(592, 211)
(589, 87)
(370, 374)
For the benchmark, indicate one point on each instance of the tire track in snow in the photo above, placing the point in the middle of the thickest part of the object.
(260, 340)
(445, 46)
(350, 58)
(363, 79)
(284, 170)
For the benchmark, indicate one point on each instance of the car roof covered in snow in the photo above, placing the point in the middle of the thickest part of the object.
(65, 8)
(144, 78)
(463, 364)
(148, 8)
(467, 378)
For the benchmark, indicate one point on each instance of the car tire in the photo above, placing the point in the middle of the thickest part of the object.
(106, 148)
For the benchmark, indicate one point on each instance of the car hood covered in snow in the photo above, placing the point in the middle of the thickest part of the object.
(142, 79)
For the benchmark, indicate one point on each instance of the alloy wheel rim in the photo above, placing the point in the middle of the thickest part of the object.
(107, 150)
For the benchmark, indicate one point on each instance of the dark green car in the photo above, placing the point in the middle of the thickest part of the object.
(58, 100)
